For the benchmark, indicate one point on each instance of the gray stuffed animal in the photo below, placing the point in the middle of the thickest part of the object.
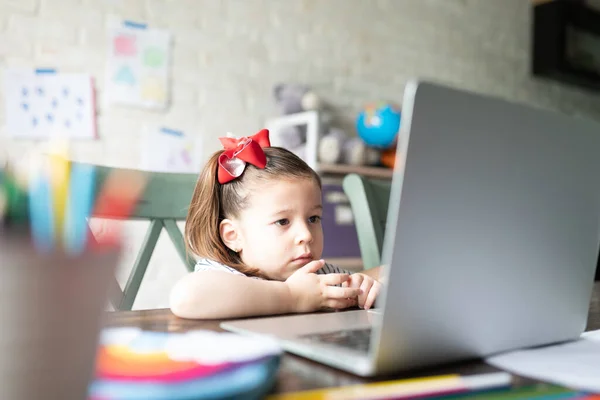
(292, 98)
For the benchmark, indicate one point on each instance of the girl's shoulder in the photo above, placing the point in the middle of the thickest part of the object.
(205, 264)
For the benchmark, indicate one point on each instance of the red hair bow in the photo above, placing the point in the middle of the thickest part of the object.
(240, 151)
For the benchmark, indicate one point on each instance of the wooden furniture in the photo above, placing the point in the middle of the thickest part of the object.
(297, 373)
(165, 201)
(369, 199)
(367, 171)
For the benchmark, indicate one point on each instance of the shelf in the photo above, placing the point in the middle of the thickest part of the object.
(343, 169)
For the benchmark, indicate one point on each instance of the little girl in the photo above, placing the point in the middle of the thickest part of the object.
(255, 221)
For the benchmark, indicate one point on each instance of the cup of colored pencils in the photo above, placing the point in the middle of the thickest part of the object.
(55, 278)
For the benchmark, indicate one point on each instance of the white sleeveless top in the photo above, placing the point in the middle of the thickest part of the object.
(205, 264)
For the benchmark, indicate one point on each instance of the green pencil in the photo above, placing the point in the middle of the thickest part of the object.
(15, 198)
(535, 391)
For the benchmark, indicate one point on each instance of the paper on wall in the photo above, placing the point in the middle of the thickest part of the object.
(137, 73)
(41, 105)
(169, 150)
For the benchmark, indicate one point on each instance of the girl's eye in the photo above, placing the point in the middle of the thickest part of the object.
(282, 222)
(314, 219)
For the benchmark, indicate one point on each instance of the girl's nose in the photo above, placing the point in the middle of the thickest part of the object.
(304, 234)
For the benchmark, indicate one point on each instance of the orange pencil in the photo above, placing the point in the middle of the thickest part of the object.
(117, 199)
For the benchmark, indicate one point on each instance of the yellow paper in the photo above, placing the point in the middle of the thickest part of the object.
(403, 387)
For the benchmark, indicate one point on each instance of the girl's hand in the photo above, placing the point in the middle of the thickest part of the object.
(369, 287)
(312, 292)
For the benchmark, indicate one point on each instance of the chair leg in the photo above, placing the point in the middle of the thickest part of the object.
(115, 294)
(141, 264)
(177, 239)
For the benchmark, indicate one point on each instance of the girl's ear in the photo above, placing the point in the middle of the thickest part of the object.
(230, 235)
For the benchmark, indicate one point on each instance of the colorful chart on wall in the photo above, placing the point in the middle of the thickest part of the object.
(170, 150)
(137, 73)
(44, 104)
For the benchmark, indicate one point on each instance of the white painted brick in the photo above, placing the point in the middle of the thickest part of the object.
(21, 25)
(15, 46)
(126, 9)
(34, 29)
(48, 5)
(181, 14)
(71, 11)
(57, 30)
(185, 95)
(184, 57)
(68, 58)
(25, 6)
(95, 37)
(3, 20)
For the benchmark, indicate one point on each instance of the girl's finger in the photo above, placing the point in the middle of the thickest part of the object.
(339, 304)
(334, 292)
(334, 279)
(365, 287)
(372, 295)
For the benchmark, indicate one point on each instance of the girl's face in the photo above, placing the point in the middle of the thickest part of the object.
(280, 230)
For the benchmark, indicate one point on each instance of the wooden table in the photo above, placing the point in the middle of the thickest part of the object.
(297, 373)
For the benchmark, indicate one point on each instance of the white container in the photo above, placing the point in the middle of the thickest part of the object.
(51, 313)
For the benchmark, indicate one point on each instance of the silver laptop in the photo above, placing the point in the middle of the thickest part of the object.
(491, 240)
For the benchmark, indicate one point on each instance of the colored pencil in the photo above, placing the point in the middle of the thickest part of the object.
(59, 166)
(78, 208)
(442, 385)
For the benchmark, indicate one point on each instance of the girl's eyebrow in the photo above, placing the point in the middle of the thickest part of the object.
(288, 210)
(282, 211)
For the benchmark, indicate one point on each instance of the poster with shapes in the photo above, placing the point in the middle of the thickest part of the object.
(137, 73)
(170, 150)
(45, 104)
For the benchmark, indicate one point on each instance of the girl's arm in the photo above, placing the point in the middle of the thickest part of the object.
(221, 295)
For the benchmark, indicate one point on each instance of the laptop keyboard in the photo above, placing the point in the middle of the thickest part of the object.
(355, 339)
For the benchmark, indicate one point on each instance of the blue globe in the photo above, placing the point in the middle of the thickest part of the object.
(378, 124)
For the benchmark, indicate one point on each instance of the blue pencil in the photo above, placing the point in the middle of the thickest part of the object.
(41, 214)
(79, 206)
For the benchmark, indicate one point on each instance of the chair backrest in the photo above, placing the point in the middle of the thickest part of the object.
(369, 200)
(165, 201)
(166, 196)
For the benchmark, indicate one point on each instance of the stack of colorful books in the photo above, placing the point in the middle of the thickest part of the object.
(138, 364)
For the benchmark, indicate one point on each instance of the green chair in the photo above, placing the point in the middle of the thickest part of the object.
(165, 201)
(369, 200)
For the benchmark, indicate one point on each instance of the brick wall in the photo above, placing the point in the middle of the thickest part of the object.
(228, 54)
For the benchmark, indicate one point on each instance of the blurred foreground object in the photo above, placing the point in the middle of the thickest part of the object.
(51, 308)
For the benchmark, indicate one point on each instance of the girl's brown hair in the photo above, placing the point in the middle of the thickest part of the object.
(212, 202)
